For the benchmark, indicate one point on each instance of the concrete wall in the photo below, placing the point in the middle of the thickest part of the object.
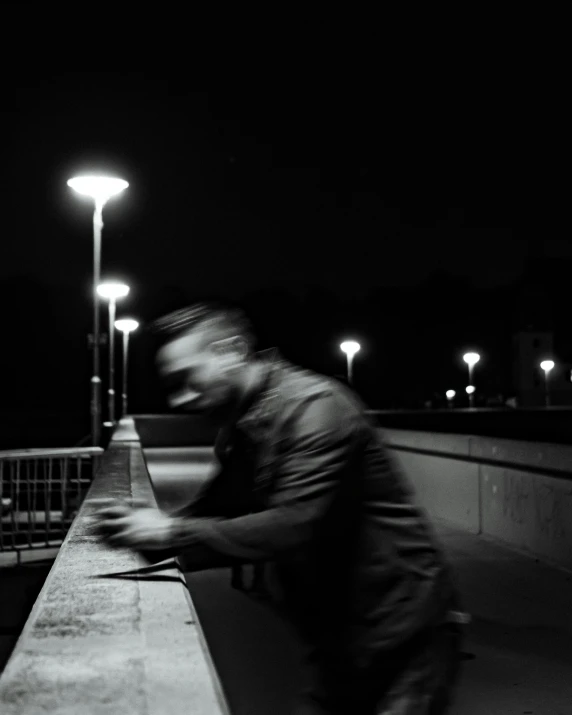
(516, 492)
(446, 485)
(105, 637)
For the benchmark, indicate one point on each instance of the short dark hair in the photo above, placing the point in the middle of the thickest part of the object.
(224, 320)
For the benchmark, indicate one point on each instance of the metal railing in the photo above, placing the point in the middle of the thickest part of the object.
(41, 491)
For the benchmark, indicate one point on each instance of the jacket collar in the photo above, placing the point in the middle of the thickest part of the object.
(259, 415)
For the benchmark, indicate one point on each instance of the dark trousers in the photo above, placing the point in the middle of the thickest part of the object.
(418, 678)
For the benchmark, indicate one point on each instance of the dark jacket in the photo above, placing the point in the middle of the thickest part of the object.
(307, 483)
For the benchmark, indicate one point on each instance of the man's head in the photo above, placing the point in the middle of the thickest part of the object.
(205, 357)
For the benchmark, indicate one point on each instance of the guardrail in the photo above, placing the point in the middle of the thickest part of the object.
(108, 633)
(41, 491)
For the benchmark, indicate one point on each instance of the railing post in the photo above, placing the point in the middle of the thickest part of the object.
(22, 523)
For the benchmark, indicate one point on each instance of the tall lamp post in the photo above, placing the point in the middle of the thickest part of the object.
(126, 325)
(547, 366)
(100, 189)
(350, 348)
(471, 359)
(112, 292)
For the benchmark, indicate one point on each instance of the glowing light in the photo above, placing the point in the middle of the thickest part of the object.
(471, 358)
(126, 325)
(470, 389)
(350, 347)
(100, 188)
(112, 290)
(450, 394)
(547, 365)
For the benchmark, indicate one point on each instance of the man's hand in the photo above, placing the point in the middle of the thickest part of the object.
(137, 525)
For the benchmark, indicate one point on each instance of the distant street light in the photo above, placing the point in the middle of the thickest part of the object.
(450, 394)
(350, 348)
(100, 189)
(112, 291)
(471, 359)
(126, 325)
(547, 366)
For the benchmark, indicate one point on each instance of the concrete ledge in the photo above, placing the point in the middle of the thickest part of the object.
(125, 431)
(539, 455)
(450, 444)
(102, 640)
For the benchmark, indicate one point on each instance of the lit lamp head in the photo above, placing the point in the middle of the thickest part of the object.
(100, 188)
(350, 347)
(450, 394)
(112, 291)
(126, 325)
(547, 365)
(470, 389)
(471, 358)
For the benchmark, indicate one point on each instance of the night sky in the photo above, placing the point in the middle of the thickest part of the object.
(376, 205)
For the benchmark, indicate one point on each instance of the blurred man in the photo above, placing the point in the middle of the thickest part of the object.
(308, 485)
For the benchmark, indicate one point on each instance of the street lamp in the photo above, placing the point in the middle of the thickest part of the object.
(471, 359)
(547, 366)
(100, 188)
(126, 325)
(470, 390)
(112, 292)
(350, 348)
(450, 394)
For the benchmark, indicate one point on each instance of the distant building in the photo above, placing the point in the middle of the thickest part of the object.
(530, 348)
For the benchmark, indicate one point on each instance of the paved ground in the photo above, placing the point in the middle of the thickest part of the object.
(519, 645)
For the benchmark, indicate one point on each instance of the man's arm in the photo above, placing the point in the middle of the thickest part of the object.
(209, 502)
(321, 444)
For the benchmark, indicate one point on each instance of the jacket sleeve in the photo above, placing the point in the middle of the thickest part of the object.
(319, 448)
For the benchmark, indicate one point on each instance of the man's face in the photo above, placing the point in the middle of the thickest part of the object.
(199, 372)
